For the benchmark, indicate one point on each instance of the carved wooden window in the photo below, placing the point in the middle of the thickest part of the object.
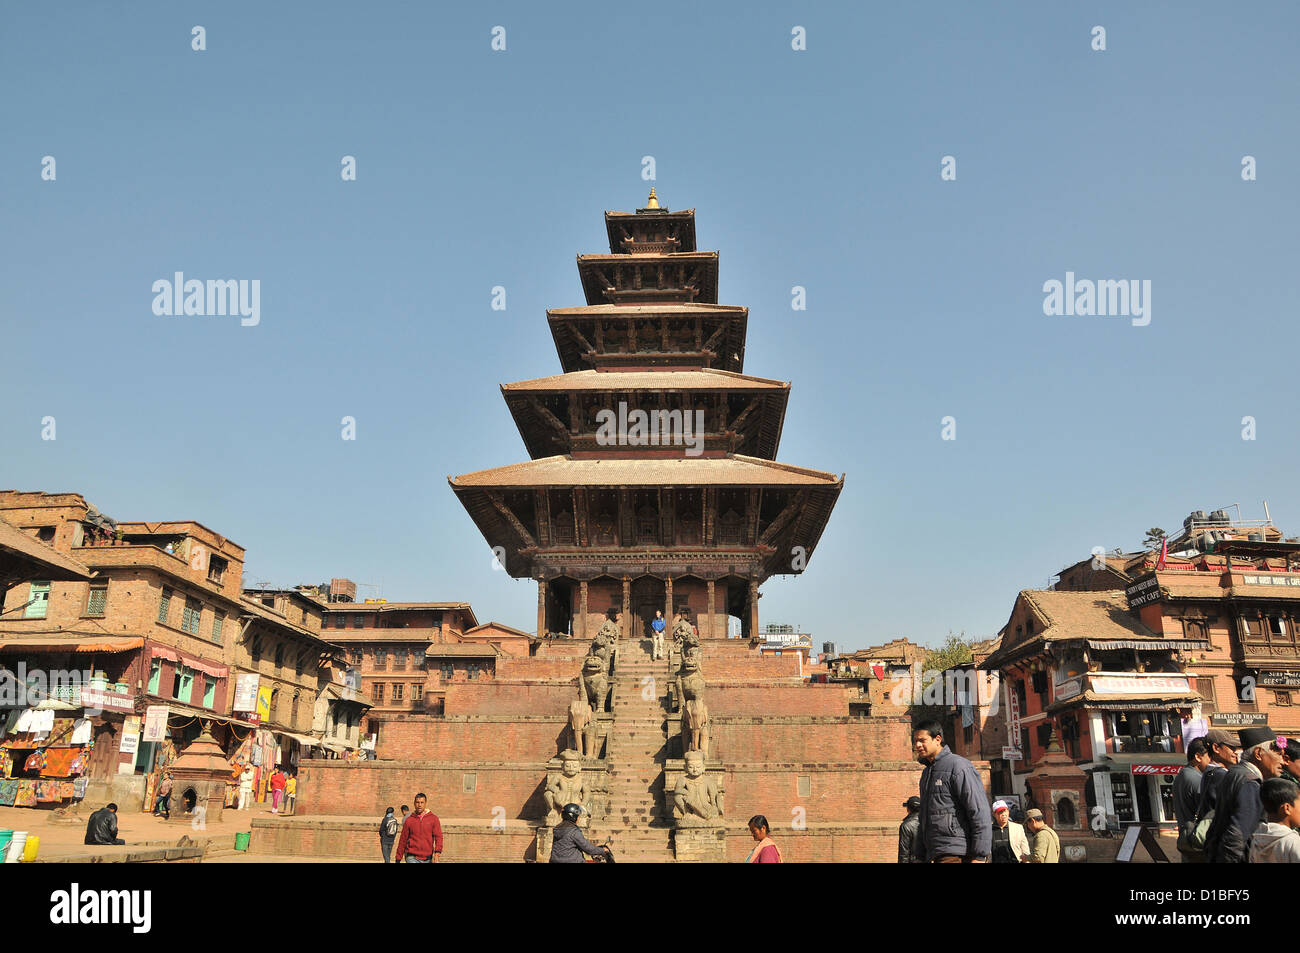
(647, 524)
(730, 527)
(562, 527)
(1209, 700)
(1282, 699)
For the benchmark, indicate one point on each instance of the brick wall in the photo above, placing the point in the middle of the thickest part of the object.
(495, 698)
(755, 700)
(303, 837)
(838, 793)
(525, 738)
(337, 787)
(802, 739)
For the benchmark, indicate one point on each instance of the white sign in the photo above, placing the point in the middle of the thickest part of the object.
(130, 735)
(1069, 688)
(155, 723)
(1014, 723)
(246, 692)
(1012, 754)
(1138, 685)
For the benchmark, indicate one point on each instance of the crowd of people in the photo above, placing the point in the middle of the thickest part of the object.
(1236, 801)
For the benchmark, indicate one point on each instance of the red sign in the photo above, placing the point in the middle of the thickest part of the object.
(1157, 768)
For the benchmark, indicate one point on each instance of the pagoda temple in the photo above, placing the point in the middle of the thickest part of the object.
(652, 482)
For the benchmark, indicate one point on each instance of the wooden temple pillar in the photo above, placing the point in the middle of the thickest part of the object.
(627, 607)
(668, 602)
(541, 608)
(582, 603)
(706, 628)
(753, 610)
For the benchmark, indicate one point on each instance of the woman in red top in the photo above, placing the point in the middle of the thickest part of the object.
(278, 782)
(765, 850)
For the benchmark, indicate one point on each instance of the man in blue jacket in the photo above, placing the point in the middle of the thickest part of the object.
(955, 824)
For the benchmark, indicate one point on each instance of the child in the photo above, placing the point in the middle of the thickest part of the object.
(1277, 840)
(290, 792)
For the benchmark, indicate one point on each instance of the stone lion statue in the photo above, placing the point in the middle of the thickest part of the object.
(595, 683)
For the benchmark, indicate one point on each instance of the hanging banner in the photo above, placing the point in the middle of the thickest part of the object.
(246, 692)
(130, 735)
(155, 723)
(264, 703)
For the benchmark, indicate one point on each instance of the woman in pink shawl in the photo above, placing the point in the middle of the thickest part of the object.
(765, 850)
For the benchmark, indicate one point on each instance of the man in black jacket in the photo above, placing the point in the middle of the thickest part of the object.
(567, 843)
(1238, 809)
(907, 853)
(955, 823)
(101, 829)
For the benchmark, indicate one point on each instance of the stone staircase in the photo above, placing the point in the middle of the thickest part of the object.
(638, 824)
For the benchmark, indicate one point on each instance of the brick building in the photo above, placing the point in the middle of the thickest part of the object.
(388, 643)
(161, 623)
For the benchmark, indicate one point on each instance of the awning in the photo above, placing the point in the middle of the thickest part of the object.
(1150, 762)
(1146, 644)
(307, 740)
(171, 655)
(35, 643)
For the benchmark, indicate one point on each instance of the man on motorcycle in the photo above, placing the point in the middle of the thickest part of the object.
(568, 844)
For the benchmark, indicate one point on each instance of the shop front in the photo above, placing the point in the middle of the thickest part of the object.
(1137, 788)
(44, 755)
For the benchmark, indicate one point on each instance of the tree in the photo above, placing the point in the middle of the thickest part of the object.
(954, 651)
(1154, 538)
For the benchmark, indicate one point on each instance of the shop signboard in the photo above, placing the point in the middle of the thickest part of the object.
(1237, 719)
(155, 723)
(1069, 688)
(264, 703)
(1279, 679)
(130, 735)
(246, 693)
(97, 699)
(1157, 768)
(1012, 754)
(1143, 591)
(1014, 721)
(1138, 684)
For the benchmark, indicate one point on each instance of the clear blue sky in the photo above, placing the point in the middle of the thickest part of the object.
(817, 168)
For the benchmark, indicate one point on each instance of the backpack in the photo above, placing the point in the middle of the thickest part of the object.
(389, 827)
(1198, 832)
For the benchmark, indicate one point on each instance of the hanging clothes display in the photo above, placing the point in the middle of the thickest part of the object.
(79, 788)
(81, 732)
(6, 763)
(26, 796)
(8, 790)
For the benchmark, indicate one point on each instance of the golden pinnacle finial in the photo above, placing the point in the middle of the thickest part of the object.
(653, 200)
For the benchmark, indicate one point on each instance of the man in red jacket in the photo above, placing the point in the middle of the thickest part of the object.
(421, 840)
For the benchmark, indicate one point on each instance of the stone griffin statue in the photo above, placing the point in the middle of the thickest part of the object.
(684, 634)
(568, 788)
(605, 641)
(595, 683)
(697, 799)
(581, 726)
(695, 714)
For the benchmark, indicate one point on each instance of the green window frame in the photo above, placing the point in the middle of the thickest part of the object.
(165, 604)
(97, 601)
(209, 691)
(155, 675)
(186, 686)
(191, 615)
(218, 623)
(38, 603)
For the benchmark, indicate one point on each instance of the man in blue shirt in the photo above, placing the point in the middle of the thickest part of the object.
(657, 640)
